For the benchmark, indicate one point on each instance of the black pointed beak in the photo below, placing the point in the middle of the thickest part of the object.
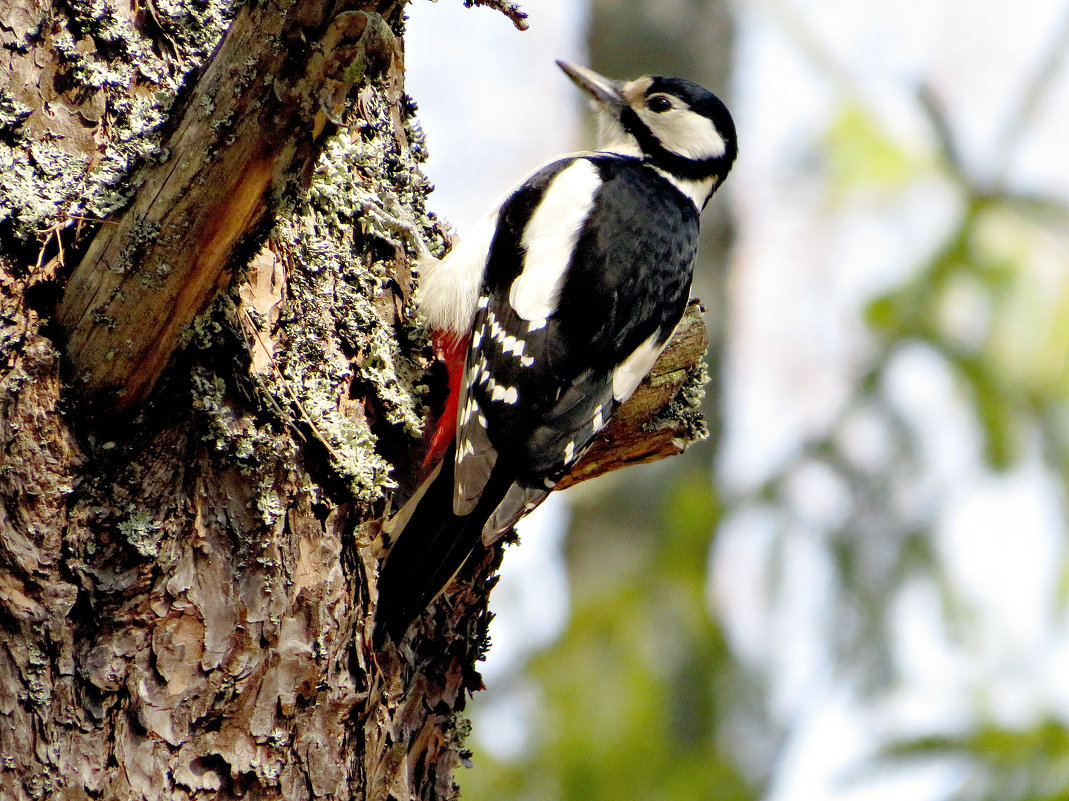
(605, 91)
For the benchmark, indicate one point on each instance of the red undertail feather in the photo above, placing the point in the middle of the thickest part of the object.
(451, 348)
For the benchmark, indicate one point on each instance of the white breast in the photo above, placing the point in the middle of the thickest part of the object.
(449, 288)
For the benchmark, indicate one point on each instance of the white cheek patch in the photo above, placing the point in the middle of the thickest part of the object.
(550, 238)
(686, 133)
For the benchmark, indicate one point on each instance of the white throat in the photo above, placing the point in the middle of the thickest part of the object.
(612, 138)
(624, 145)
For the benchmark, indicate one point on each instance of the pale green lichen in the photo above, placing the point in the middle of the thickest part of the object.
(269, 504)
(339, 371)
(35, 676)
(33, 184)
(42, 182)
(255, 449)
(338, 341)
(143, 531)
(684, 411)
(12, 112)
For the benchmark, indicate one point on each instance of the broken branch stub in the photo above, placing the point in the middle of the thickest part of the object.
(643, 429)
(255, 121)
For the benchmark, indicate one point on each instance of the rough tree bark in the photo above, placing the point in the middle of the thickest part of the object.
(212, 390)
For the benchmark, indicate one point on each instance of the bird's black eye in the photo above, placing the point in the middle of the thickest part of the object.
(658, 104)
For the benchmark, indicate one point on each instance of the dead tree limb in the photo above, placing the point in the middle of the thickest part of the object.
(259, 115)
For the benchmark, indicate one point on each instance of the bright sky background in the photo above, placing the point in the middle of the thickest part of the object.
(495, 106)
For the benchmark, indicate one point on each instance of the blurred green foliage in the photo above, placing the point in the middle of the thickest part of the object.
(627, 709)
(643, 697)
(1030, 764)
(863, 157)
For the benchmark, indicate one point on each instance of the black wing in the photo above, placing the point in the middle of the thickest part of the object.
(540, 390)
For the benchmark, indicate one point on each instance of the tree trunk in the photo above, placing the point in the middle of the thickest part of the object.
(212, 390)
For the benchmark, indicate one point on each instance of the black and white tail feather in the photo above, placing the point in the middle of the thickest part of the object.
(566, 292)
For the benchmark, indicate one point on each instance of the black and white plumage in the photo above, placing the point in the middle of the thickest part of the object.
(549, 314)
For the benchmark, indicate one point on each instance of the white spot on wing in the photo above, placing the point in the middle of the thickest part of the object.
(569, 452)
(534, 325)
(505, 394)
(598, 422)
(629, 373)
(549, 239)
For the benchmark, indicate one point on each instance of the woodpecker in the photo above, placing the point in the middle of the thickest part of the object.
(548, 315)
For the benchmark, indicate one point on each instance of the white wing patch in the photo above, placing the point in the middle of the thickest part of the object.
(550, 238)
(502, 393)
(599, 421)
(629, 373)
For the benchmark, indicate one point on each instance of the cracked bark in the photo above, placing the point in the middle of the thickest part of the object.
(210, 399)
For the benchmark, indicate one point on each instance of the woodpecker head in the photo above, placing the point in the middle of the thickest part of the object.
(676, 125)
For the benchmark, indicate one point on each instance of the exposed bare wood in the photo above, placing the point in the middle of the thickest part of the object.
(255, 119)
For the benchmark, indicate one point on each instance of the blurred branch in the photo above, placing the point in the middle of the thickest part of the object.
(1050, 209)
(1035, 89)
(819, 54)
(1045, 207)
(933, 109)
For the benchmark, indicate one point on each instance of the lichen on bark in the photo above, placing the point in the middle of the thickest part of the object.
(345, 330)
(186, 587)
(89, 84)
(183, 589)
